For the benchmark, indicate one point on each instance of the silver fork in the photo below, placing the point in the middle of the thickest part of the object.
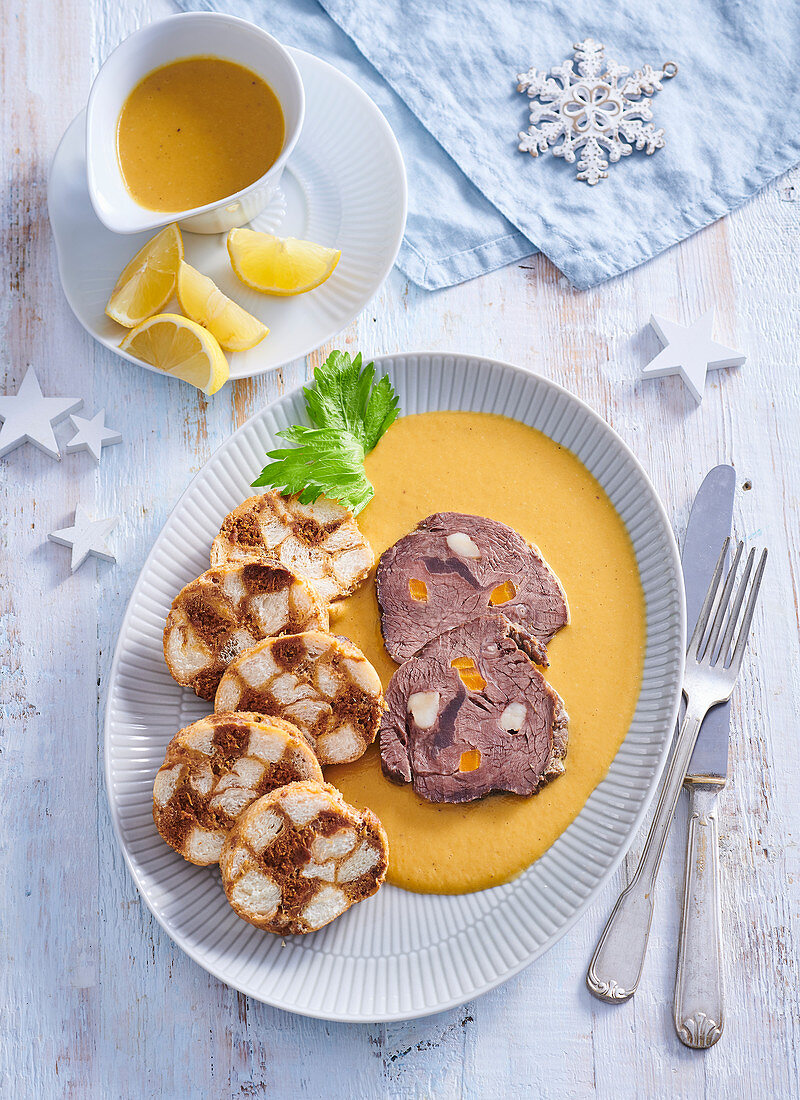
(711, 671)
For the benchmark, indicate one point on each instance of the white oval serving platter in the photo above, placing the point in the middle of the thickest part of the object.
(399, 954)
(344, 186)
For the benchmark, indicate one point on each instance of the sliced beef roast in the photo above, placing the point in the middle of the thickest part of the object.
(471, 714)
(455, 567)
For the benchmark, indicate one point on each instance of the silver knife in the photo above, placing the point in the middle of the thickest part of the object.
(699, 995)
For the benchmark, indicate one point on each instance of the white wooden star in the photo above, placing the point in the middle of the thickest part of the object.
(690, 351)
(92, 435)
(86, 536)
(28, 417)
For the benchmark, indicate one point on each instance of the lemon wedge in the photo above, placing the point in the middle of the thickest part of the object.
(276, 265)
(147, 283)
(180, 347)
(202, 300)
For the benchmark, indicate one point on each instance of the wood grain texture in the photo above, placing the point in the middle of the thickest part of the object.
(94, 999)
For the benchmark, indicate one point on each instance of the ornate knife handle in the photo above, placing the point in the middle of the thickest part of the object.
(616, 965)
(699, 995)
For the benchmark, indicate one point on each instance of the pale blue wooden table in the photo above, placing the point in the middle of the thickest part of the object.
(95, 1001)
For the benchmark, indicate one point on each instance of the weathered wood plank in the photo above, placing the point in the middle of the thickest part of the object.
(95, 998)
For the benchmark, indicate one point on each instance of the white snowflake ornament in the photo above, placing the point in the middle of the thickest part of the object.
(600, 110)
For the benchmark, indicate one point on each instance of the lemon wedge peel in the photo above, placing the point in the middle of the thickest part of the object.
(281, 266)
(202, 301)
(180, 347)
(147, 282)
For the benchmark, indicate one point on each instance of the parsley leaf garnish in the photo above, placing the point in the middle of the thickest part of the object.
(350, 412)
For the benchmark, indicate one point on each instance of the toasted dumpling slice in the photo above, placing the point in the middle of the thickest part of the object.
(215, 768)
(320, 542)
(299, 857)
(227, 610)
(321, 683)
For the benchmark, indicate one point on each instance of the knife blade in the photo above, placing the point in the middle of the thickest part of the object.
(699, 1003)
(709, 524)
(616, 966)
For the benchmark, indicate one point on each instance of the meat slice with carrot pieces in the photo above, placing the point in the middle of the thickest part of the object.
(471, 714)
(456, 567)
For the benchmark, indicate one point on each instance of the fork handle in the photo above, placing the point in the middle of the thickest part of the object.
(699, 1003)
(616, 965)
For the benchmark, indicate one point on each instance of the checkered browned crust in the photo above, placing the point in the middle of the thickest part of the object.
(299, 857)
(320, 542)
(321, 683)
(215, 768)
(227, 610)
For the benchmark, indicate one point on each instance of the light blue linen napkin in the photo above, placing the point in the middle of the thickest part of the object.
(452, 233)
(444, 76)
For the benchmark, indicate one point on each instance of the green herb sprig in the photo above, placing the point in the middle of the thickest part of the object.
(350, 412)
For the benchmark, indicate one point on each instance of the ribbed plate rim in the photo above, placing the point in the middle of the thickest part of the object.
(403, 361)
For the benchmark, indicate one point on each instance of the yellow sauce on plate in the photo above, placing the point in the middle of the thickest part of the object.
(492, 466)
(196, 131)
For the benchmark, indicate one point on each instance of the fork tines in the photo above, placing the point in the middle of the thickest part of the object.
(705, 646)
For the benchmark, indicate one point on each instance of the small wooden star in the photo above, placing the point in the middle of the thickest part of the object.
(92, 435)
(28, 417)
(690, 351)
(86, 536)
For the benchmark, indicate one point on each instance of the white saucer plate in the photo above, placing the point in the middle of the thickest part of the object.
(399, 954)
(344, 187)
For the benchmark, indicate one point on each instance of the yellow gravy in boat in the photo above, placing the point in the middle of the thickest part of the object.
(493, 466)
(196, 131)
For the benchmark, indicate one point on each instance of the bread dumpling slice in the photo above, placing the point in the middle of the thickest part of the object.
(320, 542)
(299, 857)
(214, 769)
(229, 608)
(321, 683)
